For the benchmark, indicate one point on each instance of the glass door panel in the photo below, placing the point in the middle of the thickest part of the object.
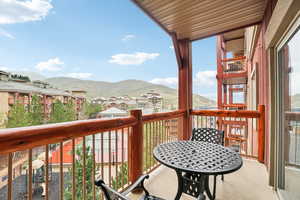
(289, 57)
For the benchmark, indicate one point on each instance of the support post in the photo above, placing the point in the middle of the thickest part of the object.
(135, 147)
(185, 87)
(261, 133)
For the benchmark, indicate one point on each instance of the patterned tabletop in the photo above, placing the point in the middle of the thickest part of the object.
(199, 157)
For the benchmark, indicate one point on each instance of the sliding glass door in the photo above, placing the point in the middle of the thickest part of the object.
(289, 117)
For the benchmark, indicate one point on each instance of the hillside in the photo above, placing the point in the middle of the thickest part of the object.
(133, 88)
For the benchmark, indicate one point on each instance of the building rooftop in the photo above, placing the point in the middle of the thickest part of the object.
(12, 86)
(113, 110)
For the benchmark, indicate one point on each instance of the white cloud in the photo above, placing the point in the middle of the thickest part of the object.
(132, 59)
(206, 78)
(53, 64)
(79, 75)
(6, 34)
(14, 11)
(128, 37)
(4, 68)
(170, 81)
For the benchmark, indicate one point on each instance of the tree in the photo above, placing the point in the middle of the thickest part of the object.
(79, 175)
(121, 178)
(91, 108)
(18, 116)
(62, 113)
(36, 115)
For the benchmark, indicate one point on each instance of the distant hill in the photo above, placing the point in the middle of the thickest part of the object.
(133, 88)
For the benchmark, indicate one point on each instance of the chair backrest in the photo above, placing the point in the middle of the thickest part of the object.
(109, 193)
(210, 135)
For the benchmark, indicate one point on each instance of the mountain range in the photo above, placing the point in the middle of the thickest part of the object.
(132, 88)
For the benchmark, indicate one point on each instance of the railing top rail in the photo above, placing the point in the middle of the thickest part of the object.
(163, 116)
(228, 113)
(234, 59)
(292, 116)
(18, 139)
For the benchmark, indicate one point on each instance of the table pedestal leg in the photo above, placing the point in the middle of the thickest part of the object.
(185, 183)
(180, 185)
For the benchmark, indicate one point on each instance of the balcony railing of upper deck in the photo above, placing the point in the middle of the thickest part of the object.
(61, 161)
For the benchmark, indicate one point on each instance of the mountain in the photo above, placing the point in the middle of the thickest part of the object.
(133, 88)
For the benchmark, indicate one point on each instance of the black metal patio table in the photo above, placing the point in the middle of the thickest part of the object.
(201, 158)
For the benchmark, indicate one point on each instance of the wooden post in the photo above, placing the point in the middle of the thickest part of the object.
(219, 71)
(183, 52)
(261, 133)
(135, 147)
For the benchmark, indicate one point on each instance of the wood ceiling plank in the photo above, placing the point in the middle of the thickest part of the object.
(218, 23)
(213, 32)
(217, 15)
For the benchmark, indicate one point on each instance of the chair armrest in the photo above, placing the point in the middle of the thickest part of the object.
(137, 184)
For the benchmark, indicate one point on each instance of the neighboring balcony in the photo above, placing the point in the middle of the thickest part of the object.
(234, 71)
(61, 161)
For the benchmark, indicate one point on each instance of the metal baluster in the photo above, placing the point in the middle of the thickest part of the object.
(61, 173)
(116, 163)
(122, 136)
(73, 170)
(109, 157)
(146, 133)
(94, 166)
(47, 172)
(102, 161)
(84, 168)
(10, 181)
(30, 174)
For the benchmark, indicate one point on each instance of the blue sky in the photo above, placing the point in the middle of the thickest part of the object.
(99, 40)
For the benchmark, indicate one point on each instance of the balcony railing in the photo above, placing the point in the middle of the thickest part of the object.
(62, 160)
(234, 65)
(243, 129)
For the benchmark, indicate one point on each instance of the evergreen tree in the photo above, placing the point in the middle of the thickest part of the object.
(70, 111)
(18, 116)
(62, 113)
(121, 178)
(91, 108)
(36, 115)
(79, 175)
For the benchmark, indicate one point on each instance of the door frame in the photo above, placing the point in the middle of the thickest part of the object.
(279, 105)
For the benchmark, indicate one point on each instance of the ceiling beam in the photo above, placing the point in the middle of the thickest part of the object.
(236, 38)
(228, 30)
(177, 49)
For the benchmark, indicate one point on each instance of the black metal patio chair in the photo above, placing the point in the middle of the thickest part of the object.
(111, 194)
(210, 135)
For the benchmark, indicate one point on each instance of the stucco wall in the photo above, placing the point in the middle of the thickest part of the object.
(4, 107)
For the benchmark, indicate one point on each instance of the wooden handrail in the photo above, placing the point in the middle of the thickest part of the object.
(163, 116)
(227, 113)
(234, 59)
(19, 139)
(292, 116)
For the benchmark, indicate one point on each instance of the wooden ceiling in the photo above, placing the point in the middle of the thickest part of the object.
(197, 19)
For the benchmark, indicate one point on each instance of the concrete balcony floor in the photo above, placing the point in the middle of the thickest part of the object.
(248, 183)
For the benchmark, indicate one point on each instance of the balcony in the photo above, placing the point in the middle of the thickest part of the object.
(63, 160)
(234, 71)
(163, 183)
